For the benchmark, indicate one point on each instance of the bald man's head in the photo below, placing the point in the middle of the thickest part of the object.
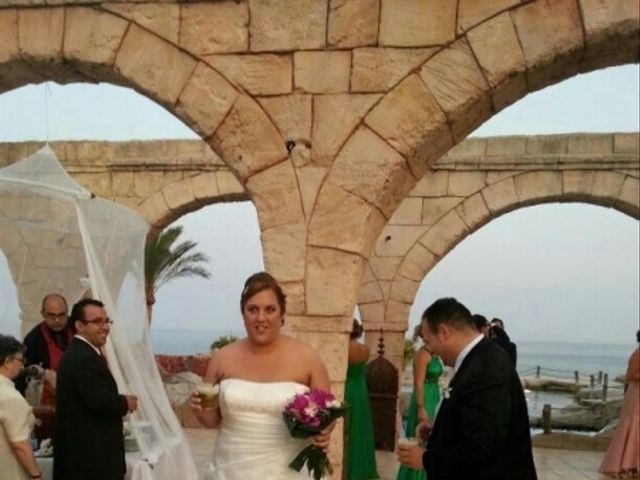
(55, 311)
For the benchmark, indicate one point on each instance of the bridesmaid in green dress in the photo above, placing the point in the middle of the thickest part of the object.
(361, 452)
(427, 369)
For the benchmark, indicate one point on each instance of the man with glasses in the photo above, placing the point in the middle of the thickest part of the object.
(16, 418)
(89, 440)
(46, 343)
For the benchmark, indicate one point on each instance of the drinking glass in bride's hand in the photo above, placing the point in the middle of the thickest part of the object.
(204, 397)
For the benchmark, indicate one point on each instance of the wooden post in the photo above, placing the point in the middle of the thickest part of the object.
(538, 371)
(576, 374)
(592, 380)
(605, 387)
(546, 418)
(600, 377)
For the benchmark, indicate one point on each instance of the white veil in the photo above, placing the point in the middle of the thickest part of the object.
(58, 237)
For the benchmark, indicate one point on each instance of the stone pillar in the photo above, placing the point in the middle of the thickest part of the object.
(329, 336)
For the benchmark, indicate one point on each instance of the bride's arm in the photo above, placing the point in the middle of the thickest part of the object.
(209, 417)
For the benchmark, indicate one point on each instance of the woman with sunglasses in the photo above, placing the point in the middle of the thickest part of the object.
(16, 417)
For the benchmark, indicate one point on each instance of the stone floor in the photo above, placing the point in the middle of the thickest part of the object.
(551, 464)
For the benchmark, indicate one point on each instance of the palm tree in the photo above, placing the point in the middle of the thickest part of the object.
(408, 351)
(164, 260)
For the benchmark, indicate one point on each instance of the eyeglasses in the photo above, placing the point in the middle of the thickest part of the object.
(20, 359)
(55, 316)
(99, 321)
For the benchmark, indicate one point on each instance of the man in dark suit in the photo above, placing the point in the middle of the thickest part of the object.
(499, 335)
(481, 430)
(89, 440)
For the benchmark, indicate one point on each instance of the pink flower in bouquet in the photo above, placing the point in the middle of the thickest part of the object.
(306, 415)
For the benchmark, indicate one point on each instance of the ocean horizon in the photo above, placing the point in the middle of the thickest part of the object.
(562, 357)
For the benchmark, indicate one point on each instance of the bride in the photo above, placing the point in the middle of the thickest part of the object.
(257, 376)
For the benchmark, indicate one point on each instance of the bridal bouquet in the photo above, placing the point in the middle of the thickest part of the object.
(306, 415)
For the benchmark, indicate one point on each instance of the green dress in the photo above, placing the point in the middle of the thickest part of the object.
(361, 452)
(431, 399)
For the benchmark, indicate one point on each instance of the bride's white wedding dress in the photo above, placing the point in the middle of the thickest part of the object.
(253, 441)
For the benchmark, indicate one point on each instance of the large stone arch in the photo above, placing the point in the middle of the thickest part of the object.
(116, 44)
(90, 44)
(497, 55)
(477, 182)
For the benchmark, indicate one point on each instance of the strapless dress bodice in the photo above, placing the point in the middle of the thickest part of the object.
(253, 442)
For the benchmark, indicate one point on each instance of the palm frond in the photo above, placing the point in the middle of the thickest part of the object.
(166, 260)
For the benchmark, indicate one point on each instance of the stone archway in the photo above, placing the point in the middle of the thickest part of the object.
(358, 139)
(497, 55)
(359, 90)
(91, 44)
(475, 183)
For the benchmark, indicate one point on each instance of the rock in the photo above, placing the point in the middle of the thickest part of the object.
(551, 384)
(570, 441)
(607, 432)
(588, 418)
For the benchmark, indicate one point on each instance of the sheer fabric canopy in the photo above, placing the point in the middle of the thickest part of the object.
(58, 237)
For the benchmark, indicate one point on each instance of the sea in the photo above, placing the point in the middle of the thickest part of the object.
(557, 359)
(561, 357)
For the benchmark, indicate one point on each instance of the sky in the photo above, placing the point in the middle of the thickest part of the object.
(558, 272)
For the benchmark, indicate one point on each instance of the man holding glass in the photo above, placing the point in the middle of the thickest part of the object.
(89, 441)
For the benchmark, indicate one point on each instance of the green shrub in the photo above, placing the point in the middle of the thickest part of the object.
(223, 340)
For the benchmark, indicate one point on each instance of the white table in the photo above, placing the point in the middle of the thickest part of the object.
(137, 468)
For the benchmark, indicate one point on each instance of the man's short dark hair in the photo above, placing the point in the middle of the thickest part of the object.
(9, 347)
(77, 312)
(480, 321)
(447, 311)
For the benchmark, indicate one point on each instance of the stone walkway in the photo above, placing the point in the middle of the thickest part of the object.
(551, 464)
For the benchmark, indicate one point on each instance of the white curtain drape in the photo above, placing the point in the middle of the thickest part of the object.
(57, 237)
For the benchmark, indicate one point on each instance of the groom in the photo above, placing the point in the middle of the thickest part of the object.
(481, 430)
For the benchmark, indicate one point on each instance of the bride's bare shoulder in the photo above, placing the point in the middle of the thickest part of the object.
(228, 351)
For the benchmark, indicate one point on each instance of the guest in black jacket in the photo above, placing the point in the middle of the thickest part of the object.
(481, 430)
(46, 342)
(89, 440)
(499, 334)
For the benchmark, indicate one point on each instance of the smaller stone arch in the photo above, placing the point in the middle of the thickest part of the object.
(479, 181)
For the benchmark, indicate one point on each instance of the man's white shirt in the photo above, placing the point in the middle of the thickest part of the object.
(456, 366)
(463, 354)
(89, 343)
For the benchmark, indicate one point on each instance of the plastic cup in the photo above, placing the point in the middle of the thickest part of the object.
(207, 394)
(407, 442)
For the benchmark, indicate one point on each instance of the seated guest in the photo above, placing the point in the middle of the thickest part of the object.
(16, 418)
(47, 341)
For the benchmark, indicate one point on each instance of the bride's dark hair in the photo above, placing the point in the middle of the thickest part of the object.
(258, 282)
